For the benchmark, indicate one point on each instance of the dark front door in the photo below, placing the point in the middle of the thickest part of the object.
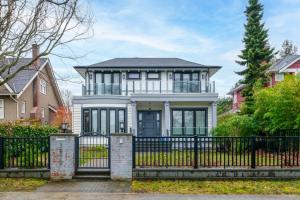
(149, 123)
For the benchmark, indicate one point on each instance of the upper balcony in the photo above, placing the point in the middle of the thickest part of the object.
(147, 87)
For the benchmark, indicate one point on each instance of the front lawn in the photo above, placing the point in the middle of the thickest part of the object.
(266, 187)
(20, 184)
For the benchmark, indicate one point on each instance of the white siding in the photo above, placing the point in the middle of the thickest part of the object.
(76, 116)
(209, 120)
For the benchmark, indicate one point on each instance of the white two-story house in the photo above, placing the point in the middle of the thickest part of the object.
(147, 97)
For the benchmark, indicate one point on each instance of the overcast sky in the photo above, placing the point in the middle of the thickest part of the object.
(204, 31)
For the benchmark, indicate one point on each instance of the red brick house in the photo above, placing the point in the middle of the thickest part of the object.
(288, 65)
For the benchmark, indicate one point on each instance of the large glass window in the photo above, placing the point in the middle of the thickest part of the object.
(112, 121)
(186, 82)
(94, 121)
(103, 122)
(133, 75)
(177, 122)
(121, 116)
(86, 121)
(189, 122)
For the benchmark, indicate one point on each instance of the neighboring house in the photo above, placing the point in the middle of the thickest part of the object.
(32, 93)
(146, 96)
(288, 65)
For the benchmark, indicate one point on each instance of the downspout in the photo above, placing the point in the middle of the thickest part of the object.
(17, 105)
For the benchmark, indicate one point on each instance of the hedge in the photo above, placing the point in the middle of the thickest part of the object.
(17, 130)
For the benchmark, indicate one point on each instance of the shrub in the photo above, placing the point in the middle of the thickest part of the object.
(279, 107)
(18, 130)
(237, 125)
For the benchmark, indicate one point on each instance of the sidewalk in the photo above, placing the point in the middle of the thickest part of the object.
(128, 196)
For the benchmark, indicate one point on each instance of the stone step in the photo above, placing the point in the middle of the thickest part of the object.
(92, 177)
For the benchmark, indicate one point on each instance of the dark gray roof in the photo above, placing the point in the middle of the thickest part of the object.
(24, 76)
(281, 63)
(147, 62)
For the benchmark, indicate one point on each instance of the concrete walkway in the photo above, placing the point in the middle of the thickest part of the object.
(128, 196)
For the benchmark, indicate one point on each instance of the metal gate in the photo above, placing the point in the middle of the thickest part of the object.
(92, 152)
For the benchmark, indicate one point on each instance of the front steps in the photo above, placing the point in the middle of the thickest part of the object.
(92, 174)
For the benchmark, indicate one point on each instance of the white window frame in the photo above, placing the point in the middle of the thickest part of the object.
(43, 112)
(43, 86)
(2, 109)
(279, 76)
(23, 107)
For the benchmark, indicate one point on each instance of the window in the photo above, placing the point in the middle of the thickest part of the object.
(279, 76)
(189, 122)
(23, 107)
(94, 121)
(43, 86)
(153, 75)
(1, 108)
(103, 121)
(133, 75)
(43, 113)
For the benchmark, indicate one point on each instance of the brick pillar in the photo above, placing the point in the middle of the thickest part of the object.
(62, 156)
(121, 156)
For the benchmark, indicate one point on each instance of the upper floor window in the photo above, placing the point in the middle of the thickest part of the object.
(279, 76)
(43, 86)
(134, 75)
(1, 108)
(23, 107)
(153, 75)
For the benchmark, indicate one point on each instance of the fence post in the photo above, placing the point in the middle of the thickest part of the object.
(253, 152)
(76, 152)
(1, 152)
(133, 152)
(195, 152)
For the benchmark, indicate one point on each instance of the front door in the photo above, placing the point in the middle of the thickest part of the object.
(149, 123)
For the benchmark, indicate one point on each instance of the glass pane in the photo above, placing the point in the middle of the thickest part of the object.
(121, 121)
(200, 122)
(99, 88)
(86, 121)
(195, 77)
(112, 121)
(140, 116)
(103, 122)
(185, 82)
(94, 121)
(194, 86)
(177, 82)
(189, 122)
(116, 85)
(177, 122)
(107, 83)
(153, 75)
(133, 75)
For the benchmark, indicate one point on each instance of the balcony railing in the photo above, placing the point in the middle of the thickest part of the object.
(101, 89)
(148, 87)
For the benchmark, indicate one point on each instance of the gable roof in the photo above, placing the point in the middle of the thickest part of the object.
(284, 63)
(237, 88)
(21, 79)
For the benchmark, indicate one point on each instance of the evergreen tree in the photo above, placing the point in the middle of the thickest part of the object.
(257, 53)
(288, 48)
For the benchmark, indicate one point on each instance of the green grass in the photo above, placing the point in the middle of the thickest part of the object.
(20, 184)
(264, 187)
(87, 154)
(213, 159)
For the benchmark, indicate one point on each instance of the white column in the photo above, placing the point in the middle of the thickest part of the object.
(167, 119)
(134, 118)
(214, 114)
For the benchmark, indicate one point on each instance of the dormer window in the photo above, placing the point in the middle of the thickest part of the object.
(133, 75)
(43, 86)
(153, 75)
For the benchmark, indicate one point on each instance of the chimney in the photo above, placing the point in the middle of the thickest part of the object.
(35, 53)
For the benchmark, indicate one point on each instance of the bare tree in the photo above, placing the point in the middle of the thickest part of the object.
(67, 97)
(46, 23)
(288, 48)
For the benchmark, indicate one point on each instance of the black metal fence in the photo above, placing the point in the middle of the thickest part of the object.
(216, 152)
(24, 153)
(92, 152)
